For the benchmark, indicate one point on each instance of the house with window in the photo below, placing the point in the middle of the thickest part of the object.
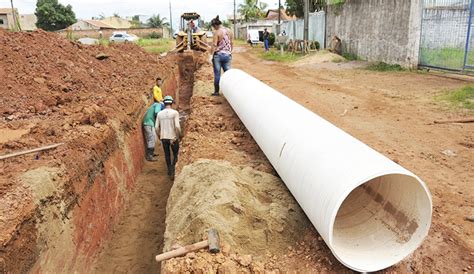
(6, 18)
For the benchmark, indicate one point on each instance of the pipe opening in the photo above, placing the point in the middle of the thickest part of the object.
(381, 222)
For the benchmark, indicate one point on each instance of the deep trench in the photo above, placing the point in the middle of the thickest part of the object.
(139, 235)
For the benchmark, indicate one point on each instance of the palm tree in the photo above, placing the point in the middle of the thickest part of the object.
(252, 9)
(156, 21)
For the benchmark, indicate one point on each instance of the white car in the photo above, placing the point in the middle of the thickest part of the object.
(123, 37)
(253, 36)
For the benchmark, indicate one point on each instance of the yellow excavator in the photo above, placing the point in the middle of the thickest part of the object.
(190, 36)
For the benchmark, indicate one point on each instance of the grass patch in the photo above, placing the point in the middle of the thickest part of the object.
(157, 46)
(240, 42)
(463, 98)
(104, 42)
(451, 58)
(446, 57)
(382, 66)
(278, 57)
(350, 56)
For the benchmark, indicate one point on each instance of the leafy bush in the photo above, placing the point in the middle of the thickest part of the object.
(315, 45)
(271, 39)
(154, 35)
(382, 66)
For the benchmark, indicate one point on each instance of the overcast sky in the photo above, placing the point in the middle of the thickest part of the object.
(85, 9)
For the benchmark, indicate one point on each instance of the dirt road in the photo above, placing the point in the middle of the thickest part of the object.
(394, 113)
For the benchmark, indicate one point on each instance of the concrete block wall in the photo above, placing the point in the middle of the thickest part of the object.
(378, 30)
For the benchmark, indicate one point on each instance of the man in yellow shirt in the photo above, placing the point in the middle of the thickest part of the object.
(157, 93)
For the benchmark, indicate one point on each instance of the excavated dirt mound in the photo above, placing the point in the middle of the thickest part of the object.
(52, 91)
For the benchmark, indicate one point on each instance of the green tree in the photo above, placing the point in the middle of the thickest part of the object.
(54, 16)
(156, 21)
(296, 7)
(252, 9)
(136, 21)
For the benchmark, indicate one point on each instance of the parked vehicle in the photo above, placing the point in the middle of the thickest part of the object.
(123, 37)
(88, 41)
(253, 36)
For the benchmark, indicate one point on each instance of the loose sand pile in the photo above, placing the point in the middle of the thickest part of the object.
(319, 57)
(252, 210)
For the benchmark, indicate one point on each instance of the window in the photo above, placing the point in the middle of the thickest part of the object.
(118, 35)
(1, 21)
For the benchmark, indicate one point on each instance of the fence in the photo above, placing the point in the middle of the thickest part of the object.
(446, 36)
(316, 32)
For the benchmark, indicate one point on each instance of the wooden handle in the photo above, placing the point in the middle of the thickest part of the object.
(181, 251)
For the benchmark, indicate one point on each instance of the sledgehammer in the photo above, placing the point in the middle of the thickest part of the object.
(212, 242)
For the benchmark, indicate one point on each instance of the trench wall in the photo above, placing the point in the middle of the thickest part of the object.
(378, 30)
(68, 215)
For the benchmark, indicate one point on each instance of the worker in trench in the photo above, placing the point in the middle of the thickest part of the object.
(149, 130)
(167, 125)
(221, 50)
(157, 92)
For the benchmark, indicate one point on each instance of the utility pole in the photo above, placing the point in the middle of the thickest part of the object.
(171, 21)
(306, 24)
(235, 21)
(17, 25)
(279, 18)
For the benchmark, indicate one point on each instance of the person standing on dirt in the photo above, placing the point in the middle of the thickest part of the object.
(222, 46)
(266, 39)
(149, 130)
(168, 126)
(157, 92)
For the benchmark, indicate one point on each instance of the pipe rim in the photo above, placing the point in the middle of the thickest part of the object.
(367, 180)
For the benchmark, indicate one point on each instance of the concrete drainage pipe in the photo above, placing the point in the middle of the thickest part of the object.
(370, 211)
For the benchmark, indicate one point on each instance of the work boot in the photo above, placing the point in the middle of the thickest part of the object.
(215, 93)
(149, 155)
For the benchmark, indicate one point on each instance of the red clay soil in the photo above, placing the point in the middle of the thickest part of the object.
(54, 90)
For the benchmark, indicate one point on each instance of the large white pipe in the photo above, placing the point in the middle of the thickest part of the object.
(370, 211)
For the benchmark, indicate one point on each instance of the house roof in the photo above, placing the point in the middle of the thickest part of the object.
(99, 24)
(7, 10)
(272, 14)
(117, 22)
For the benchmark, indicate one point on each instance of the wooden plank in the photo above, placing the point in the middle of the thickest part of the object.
(465, 121)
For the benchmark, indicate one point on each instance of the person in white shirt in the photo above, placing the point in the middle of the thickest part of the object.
(167, 125)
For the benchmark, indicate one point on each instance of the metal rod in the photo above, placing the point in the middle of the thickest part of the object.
(306, 25)
(235, 21)
(171, 21)
(3, 157)
(468, 38)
